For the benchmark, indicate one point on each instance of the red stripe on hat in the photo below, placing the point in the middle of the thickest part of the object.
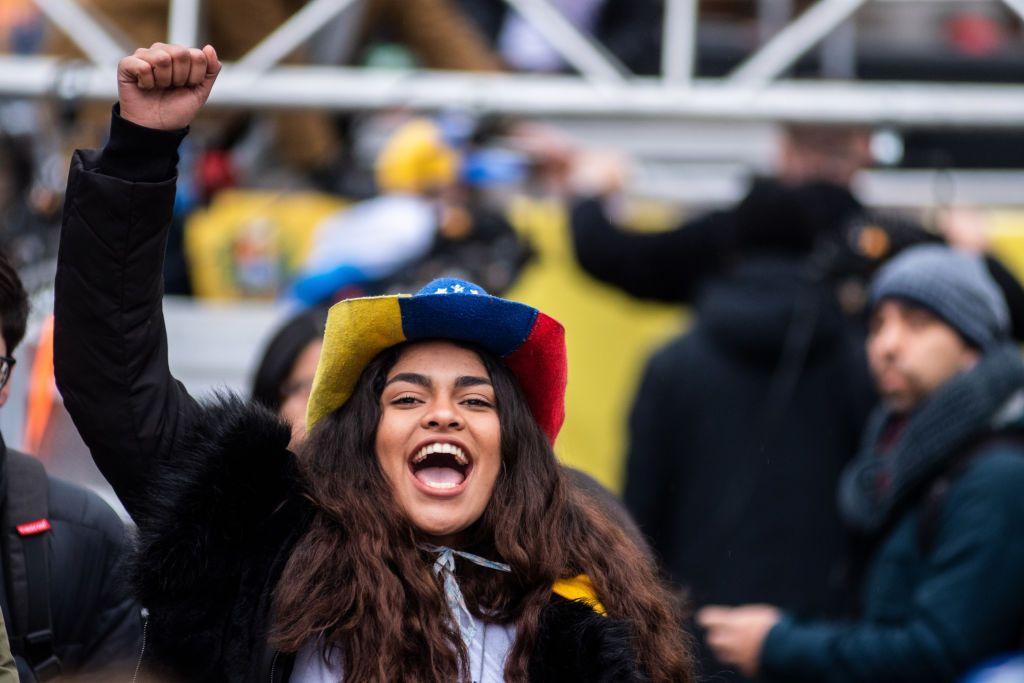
(33, 528)
(540, 365)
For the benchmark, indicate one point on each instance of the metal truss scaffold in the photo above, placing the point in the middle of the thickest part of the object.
(752, 92)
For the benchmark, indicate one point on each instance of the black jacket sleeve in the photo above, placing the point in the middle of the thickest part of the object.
(110, 346)
(662, 266)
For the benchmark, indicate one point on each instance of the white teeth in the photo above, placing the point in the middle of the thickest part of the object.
(449, 448)
(439, 485)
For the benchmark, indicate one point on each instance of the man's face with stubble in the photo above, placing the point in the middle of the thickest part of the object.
(912, 352)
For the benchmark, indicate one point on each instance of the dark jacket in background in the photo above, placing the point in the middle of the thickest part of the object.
(737, 439)
(945, 590)
(213, 489)
(671, 265)
(97, 627)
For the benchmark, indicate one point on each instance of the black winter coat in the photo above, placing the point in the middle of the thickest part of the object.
(735, 453)
(213, 488)
(97, 627)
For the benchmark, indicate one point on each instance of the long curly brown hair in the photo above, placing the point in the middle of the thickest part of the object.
(358, 583)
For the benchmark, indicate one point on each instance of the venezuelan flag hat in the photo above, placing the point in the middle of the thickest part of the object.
(531, 343)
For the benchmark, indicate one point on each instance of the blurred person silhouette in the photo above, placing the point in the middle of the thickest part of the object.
(742, 425)
(426, 222)
(936, 487)
(363, 245)
(284, 374)
(821, 161)
(64, 552)
(27, 232)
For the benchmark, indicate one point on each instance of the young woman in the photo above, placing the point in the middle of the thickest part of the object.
(423, 532)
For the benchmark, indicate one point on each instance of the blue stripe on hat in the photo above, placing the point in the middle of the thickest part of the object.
(448, 309)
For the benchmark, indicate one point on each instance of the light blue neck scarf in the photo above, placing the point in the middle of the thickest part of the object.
(444, 567)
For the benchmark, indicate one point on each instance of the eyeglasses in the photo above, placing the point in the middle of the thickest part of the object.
(6, 366)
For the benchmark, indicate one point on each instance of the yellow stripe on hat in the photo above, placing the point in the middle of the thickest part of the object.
(579, 588)
(357, 330)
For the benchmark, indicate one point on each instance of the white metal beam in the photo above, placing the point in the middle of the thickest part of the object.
(772, 17)
(183, 22)
(84, 31)
(291, 34)
(790, 43)
(679, 41)
(583, 53)
(338, 88)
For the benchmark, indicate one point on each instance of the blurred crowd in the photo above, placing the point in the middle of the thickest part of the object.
(827, 462)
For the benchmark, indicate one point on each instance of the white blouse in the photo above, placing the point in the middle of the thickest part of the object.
(487, 654)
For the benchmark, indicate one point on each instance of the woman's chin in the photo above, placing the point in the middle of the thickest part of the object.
(440, 529)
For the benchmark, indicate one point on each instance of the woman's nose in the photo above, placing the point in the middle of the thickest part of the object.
(442, 415)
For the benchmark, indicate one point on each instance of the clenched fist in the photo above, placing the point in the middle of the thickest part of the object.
(165, 86)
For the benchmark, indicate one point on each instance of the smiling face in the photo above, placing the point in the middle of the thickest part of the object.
(439, 439)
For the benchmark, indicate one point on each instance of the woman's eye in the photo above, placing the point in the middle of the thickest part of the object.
(477, 403)
(405, 400)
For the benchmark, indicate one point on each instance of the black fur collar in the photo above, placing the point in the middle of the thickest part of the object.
(219, 524)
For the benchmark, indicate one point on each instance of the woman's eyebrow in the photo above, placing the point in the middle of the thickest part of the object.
(411, 378)
(471, 381)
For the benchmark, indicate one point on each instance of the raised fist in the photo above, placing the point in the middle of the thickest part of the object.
(165, 86)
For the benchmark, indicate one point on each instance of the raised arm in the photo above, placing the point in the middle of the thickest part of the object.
(661, 266)
(110, 345)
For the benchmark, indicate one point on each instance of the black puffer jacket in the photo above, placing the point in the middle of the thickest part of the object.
(212, 488)
(737, 443)
(97, 627)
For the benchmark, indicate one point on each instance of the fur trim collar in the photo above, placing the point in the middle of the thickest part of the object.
(219, 526)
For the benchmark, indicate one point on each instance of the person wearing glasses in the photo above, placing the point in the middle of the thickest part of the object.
(61, 593)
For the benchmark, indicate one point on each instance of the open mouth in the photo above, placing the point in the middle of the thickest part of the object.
(441, 466)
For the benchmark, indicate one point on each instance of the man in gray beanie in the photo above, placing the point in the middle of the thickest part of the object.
(937, 489)
(953, 285)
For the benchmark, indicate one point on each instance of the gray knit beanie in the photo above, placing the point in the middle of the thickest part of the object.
(952, 284)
